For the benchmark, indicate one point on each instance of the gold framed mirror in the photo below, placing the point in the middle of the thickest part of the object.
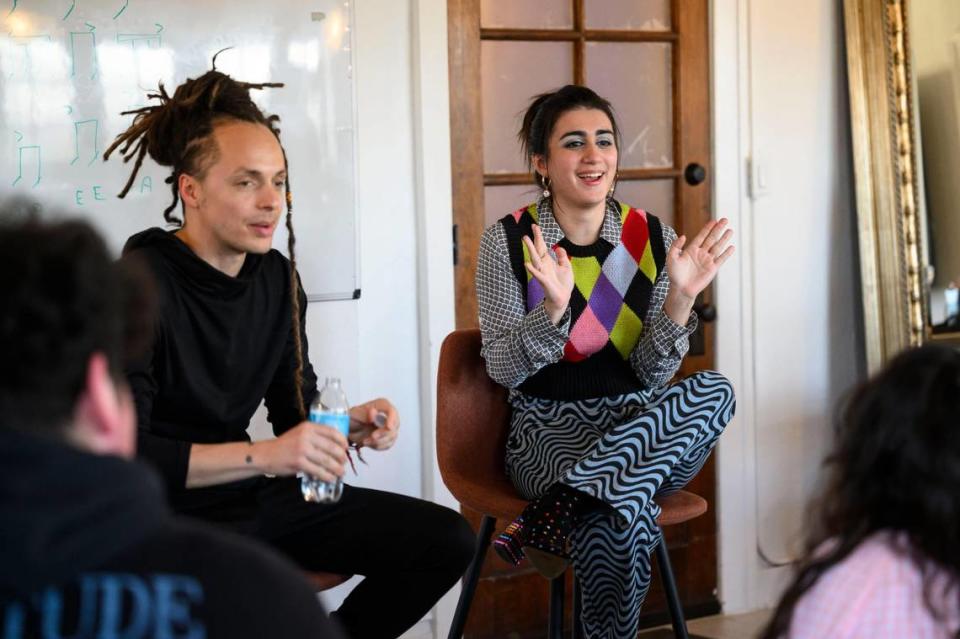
(899, 279)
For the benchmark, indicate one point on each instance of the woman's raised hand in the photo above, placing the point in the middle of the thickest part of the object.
(554, 275)
(692, 266)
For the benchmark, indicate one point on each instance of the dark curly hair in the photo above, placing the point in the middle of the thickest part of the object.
(178, 133)
(62, 299)
(544, 111)
(895, 466)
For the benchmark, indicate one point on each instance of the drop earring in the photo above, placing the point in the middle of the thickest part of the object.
(545, 183)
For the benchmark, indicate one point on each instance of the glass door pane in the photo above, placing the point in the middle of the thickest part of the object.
(637, 79)
(511, 74)
(526, 14)
(643, 15)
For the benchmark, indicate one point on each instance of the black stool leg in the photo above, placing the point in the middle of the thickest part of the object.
(471, 577)
(577, 604)
(670, 588)
(555, 621)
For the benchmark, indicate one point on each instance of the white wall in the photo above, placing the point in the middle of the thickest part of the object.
(789, 328)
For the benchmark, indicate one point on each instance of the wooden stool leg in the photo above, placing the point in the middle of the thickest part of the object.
(471, 577)
(670, 589)
(555, 621)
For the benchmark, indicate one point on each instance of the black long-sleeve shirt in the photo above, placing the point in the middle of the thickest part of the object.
(221, 345)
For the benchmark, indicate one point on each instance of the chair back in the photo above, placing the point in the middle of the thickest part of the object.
(473, 419)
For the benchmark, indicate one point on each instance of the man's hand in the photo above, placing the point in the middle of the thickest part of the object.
(315, 449)
(363, 428)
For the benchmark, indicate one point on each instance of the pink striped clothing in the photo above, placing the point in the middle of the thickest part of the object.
(875, 593)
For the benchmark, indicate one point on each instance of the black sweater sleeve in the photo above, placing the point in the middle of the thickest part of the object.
(170, 457)
(280, 398)
(184, 387)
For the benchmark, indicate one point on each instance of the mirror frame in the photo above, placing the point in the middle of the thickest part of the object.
(890, 218)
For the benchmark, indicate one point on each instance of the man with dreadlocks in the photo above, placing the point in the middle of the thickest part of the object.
(230, 333)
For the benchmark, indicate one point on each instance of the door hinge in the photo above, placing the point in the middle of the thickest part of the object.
(456, 246)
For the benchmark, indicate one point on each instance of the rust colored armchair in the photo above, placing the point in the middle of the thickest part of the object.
(473, 419)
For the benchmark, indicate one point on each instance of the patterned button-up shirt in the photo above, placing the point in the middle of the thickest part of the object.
(517, 344)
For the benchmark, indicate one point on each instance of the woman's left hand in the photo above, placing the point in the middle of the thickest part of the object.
(692, 266)
(363, 426)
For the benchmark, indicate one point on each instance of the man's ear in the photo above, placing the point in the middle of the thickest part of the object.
(101, 423)
(190, 189)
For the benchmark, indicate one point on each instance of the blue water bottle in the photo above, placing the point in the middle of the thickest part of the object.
(331, 409)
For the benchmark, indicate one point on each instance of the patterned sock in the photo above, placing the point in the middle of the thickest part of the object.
(545, 524)
(508, 544)
(549, 520)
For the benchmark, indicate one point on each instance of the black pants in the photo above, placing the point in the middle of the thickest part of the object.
(409, 551)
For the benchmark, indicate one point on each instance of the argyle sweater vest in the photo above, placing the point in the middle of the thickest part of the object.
(611, 293)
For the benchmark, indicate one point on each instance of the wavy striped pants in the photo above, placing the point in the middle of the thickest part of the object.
(622, 450)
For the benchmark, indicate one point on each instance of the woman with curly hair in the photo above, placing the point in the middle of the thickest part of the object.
(883, 560)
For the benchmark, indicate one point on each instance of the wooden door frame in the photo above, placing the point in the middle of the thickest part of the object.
(466, 144)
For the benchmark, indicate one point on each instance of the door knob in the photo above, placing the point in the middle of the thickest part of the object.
(694, 174)
(706, 312)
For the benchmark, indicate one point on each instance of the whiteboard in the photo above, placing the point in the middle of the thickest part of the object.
(69, 67)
